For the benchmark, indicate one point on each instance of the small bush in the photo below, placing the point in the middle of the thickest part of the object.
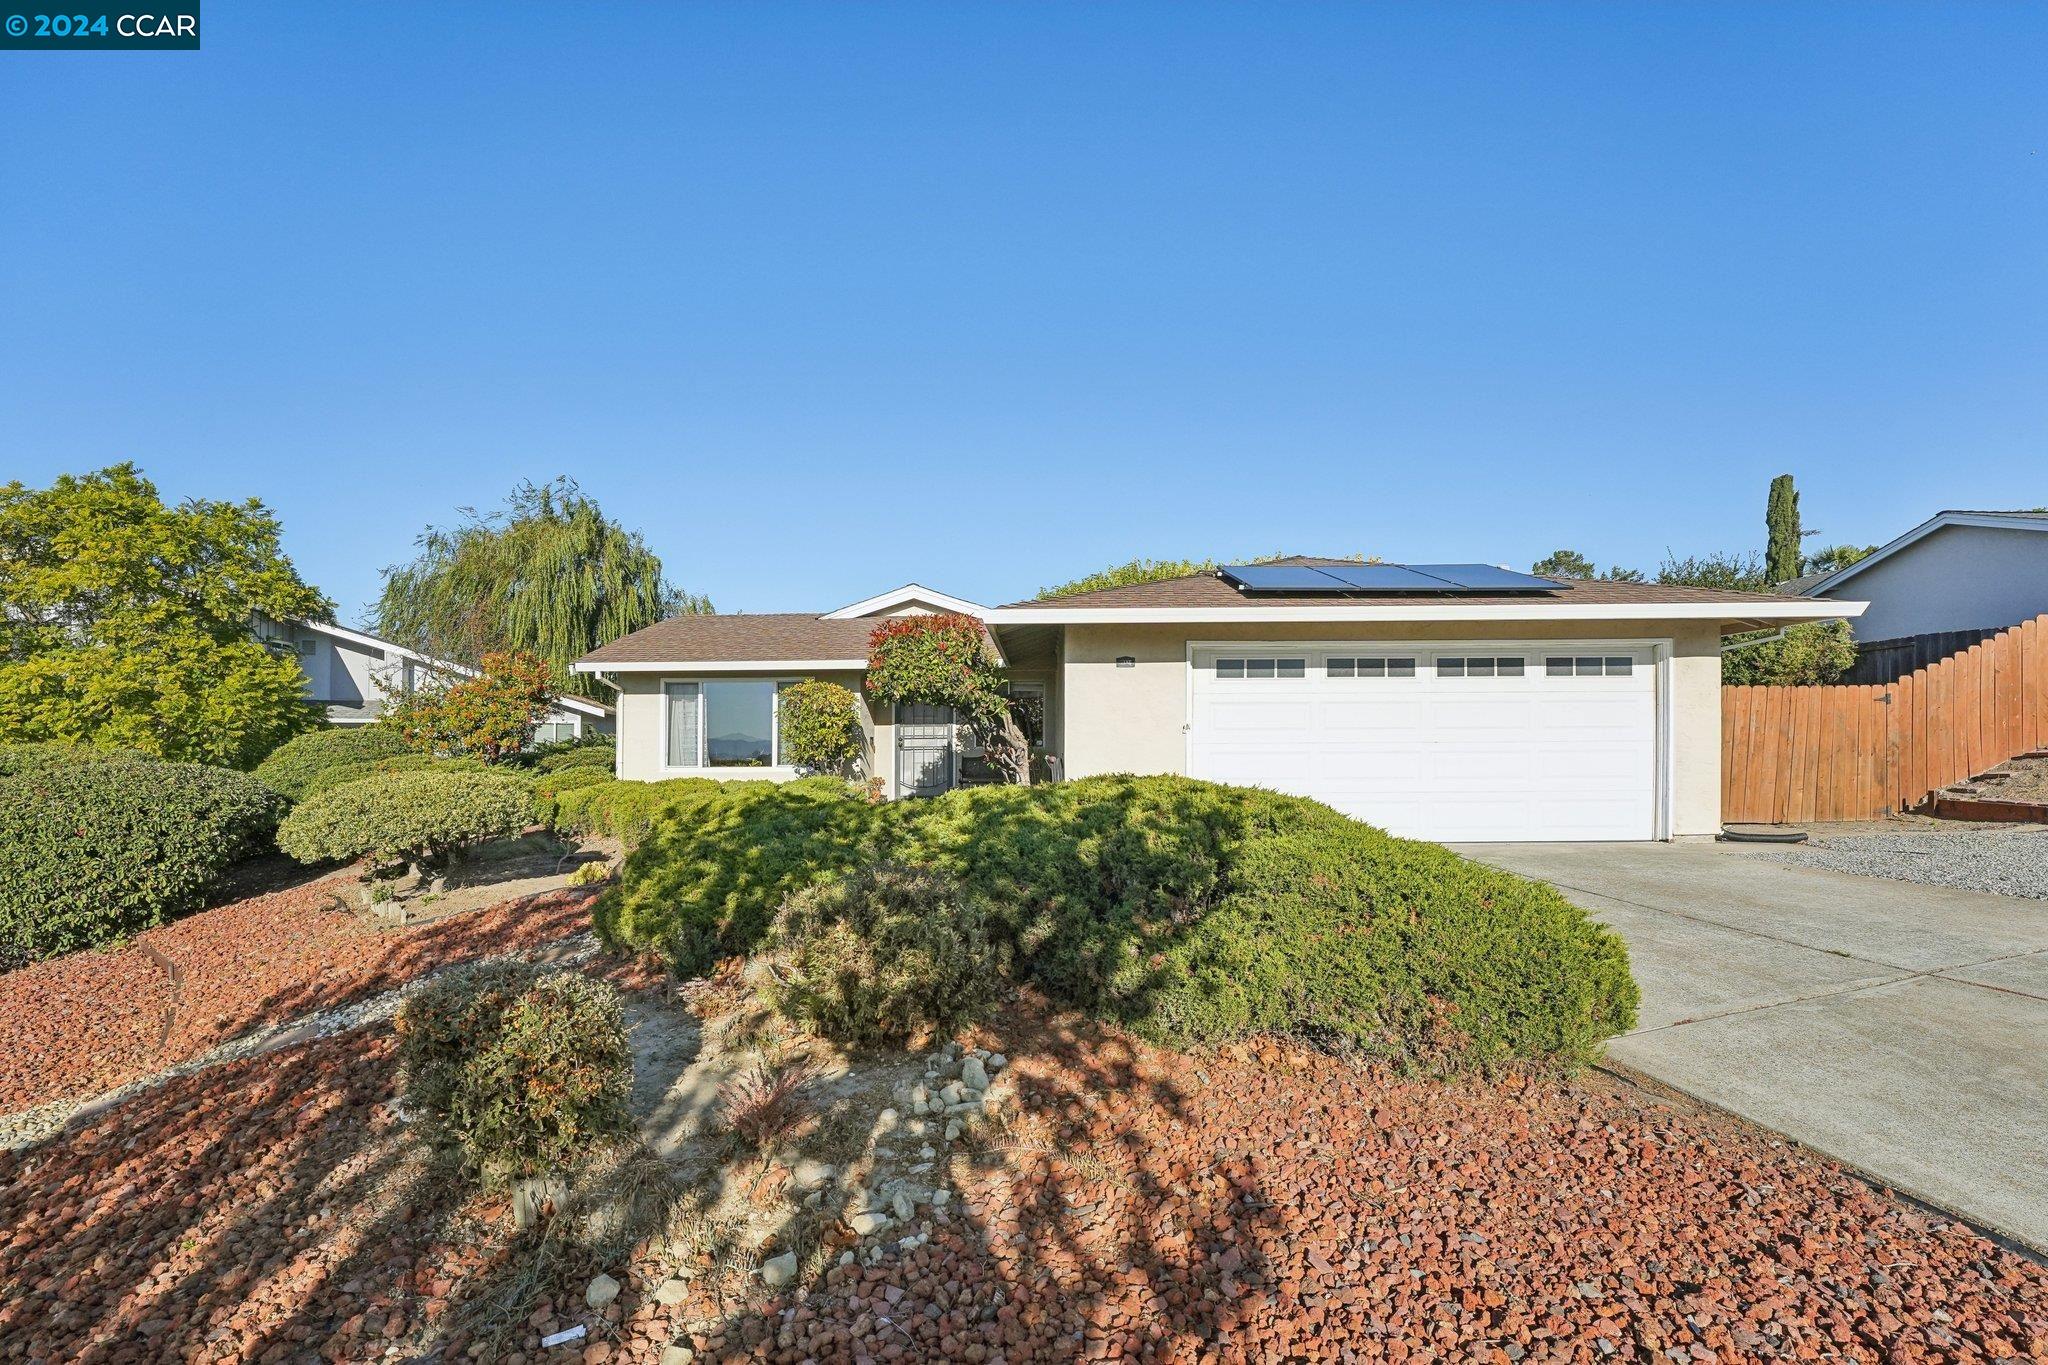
(524, 1070)
(599, 755)
(24, 758)
(93, 851)
(298, 765)
(820, 726)
(550, 785)
(418, 817)
(718, 859)
(621, 810)
(883, 955)
(766, 1103)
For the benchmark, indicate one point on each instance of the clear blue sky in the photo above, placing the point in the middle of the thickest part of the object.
(827, 297)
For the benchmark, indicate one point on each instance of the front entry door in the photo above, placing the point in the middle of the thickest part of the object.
(924, 749)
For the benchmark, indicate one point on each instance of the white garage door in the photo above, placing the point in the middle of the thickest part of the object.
(1481, 742)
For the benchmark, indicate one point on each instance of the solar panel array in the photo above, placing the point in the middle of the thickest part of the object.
(1302, 580)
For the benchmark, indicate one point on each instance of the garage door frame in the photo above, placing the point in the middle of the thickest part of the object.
(1660, 648)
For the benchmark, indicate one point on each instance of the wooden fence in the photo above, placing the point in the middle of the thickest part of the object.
(1790, 755)
(1887, 661)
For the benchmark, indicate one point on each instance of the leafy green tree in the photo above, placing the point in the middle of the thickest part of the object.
(1837, 557)
(549, 575)
(1572, 564)
(1781, 520)
(1158, 570)
(1810, 654)
(126, 622)
(1729, 572)
(1131, 573)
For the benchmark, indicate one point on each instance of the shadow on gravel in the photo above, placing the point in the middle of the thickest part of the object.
(1078, 1231)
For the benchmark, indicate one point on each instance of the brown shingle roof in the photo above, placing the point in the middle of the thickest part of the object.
(1207, 590)
(741, 638)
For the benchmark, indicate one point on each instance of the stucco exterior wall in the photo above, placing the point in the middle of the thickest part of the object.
(1133, 719)
(639, 757)
(1958, 578)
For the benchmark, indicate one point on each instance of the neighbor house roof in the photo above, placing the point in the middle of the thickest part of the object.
(2030, 520)
(1206, 596)
(745, 640)
(392, 648)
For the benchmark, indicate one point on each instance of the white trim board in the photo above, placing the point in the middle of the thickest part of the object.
(685, 667)
(1772, 610)
(1992, 520)
(896, 597)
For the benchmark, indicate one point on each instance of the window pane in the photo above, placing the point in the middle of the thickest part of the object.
(1620, 668)
(1508, 668)
(1372, 668)
(682, 724)
(1343, 668)
(1258, 668)
(739, 724)
(1450, 668)
(1230, 668)
(1294, 668)
(1558, 668)
(1589, 668)
(1400, 668)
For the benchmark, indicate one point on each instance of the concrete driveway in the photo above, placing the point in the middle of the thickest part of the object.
(1900, 1028)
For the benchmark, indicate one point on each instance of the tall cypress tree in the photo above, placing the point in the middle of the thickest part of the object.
(1781, 520)
(550, 574)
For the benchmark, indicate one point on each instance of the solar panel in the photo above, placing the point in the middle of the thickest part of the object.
(1490, 578)
(1302, 580)
(1281, 578)
(1388, 578)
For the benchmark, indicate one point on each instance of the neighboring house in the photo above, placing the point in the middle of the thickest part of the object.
(1956, 571)
(351, 675)
(1443, 702)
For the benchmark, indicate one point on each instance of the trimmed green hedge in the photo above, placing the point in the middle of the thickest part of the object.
(621, 810)
(414, 817)
(550, 785)
(341, 774)
(1191, 912)
(718, 858)
(35, 758)
(598, 755)
(310, 762)
(92, 851)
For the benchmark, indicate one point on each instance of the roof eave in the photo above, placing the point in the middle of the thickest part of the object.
(719, 666)
(1773, 610)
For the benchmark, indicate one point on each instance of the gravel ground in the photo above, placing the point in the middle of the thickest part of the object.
(87, 1023)
(2010, 861)
(1262, 1205)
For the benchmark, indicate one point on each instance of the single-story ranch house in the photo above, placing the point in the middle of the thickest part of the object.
(1452, 702)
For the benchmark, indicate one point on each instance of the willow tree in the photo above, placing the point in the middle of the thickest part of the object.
(549, 574)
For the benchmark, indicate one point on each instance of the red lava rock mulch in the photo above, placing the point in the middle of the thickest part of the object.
(85, 1023)
(1261, 1207)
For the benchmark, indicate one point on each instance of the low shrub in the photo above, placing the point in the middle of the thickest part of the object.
(299, 765)
(717, 860)
(886, 954)
(819, 724)
(765, 1104)
(92, 851)
(1191, 912)
(341, 774)
(24, 758)
(621, 810)
(523, 1070)
(1197, 913)
(600, 755)
(548, 786)
(422, 818)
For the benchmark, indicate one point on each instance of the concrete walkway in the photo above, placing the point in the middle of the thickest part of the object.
(1900, 1028)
